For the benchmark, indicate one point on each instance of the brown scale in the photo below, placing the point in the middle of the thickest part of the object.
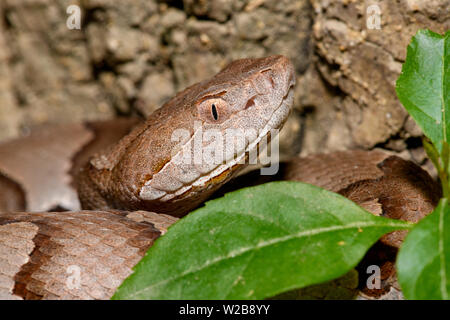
(38, 250)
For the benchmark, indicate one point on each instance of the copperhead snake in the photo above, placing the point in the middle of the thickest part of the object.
(124, 175)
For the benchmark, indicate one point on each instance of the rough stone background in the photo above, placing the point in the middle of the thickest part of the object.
(358, 68)
(132, 55)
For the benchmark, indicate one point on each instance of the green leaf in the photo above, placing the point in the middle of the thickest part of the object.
(255, 243)
(423, 86)
(423, 263)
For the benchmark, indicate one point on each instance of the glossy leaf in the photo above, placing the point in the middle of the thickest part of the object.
(423, 262)
(255, 243)
(424, 84)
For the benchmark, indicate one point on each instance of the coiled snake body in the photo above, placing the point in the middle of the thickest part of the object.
(130, 182)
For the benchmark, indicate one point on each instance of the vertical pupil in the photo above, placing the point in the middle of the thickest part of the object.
(214, 112)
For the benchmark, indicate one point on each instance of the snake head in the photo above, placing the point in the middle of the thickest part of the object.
(199, 139)
(246, 93)
(231, 113)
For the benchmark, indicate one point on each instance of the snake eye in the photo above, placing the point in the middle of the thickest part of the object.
(214, 112)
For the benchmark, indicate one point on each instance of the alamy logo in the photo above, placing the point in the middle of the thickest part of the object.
(74, 19)
(374, 281)
(373, 20)
(74, 279)
(213, 147)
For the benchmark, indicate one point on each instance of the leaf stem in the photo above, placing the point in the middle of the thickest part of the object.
(441, 162)
(444, 175)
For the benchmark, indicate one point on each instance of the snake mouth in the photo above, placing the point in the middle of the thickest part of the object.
(164, 186)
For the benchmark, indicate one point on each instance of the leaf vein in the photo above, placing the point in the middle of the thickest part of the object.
(270, 242)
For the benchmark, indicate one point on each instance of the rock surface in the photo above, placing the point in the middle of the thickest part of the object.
(131, 56)
(359, 50)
